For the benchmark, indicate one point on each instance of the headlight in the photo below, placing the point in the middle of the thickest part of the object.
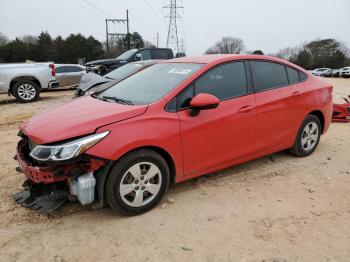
(68, 150)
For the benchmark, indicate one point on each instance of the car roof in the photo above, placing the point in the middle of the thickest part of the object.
(221, 58)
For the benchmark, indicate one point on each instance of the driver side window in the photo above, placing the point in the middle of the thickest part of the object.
(145, 54)
(224, 81)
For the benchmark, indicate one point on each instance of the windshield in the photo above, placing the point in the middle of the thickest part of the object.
(151, 83)
(124, 71)
(127, 54)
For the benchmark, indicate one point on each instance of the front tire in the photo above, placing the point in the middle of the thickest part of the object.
(308, 137)
(137, 182)
(26, 91)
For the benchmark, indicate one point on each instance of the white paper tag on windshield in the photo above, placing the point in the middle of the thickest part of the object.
(181, 71)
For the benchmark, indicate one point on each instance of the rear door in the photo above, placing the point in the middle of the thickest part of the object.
(73, 74)
(218, 136)
(160, 54)
(61, 76)
(279, 101)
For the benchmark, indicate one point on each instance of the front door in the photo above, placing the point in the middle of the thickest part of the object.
(223, 135)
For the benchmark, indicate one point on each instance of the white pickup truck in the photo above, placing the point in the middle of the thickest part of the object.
(25, 81)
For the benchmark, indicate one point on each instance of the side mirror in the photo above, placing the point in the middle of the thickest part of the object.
(203, 102)
(138, 57)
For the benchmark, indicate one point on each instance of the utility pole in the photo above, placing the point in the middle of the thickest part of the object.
(119, 21)
(157, 39)
(107, 46)
(172, 38)
(127, 21)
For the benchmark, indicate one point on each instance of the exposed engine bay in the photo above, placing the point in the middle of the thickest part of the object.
(50, 185)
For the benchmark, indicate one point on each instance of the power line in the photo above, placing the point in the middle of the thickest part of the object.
(84, 7)
(96, 7)
(153, 10)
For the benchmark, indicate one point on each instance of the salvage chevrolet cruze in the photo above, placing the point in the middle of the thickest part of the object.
(173, 121)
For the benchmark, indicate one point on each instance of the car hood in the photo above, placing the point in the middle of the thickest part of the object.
(90, 80)
(79, 117)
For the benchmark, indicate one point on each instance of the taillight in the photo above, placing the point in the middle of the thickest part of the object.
(53, 70)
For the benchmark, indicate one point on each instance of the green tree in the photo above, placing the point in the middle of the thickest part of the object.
(326, 53)
(133, 40)
(45, 47)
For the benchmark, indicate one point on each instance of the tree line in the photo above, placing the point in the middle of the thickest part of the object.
(78, 48)
(72, 49)
(317, 53)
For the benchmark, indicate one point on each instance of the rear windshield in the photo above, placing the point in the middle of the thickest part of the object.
(124, 71)
(151, 83)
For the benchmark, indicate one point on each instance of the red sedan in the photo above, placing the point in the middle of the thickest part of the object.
(173, 121)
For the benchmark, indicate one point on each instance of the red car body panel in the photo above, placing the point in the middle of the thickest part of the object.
(341, 112)
(79, 117)
(238, 130)
(218, 136)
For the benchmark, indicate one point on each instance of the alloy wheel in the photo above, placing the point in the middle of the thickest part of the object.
(26, 92)
(140, 184)
(309, 136)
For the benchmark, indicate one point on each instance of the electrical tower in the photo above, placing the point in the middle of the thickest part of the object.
(173, 38)
(123, 21)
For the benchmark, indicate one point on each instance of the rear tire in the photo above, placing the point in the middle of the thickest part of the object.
(137, 182)
(308, 137)
(26, 91)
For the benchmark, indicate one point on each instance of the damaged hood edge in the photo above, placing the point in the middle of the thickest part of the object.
(79, 117)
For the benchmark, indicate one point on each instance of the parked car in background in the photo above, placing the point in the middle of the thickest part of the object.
(320, 71)
(25, 81)
(327, 73)
(69, 74)
(345, 72)
(105, 66)
(171, 122)
(91, 82)
(336, 72)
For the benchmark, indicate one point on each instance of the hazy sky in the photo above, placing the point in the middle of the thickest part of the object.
(263, 24)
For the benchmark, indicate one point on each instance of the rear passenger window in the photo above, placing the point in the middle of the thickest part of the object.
(225, 81)
(268, 75)
(293, 75)
(72, 69)
(60, 69)
(160, 54)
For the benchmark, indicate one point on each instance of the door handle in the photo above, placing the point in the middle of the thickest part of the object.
(245, 109)
(296, 93)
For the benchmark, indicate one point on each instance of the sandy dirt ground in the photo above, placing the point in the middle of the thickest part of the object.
(277, 208)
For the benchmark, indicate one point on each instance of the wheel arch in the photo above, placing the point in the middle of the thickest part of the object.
(21, 78)
(103, 173)
(320, 116)
(165, 154)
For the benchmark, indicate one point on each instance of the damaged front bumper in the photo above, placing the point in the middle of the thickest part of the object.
(50, 185)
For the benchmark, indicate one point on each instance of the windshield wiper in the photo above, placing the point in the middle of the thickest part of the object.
(118, 100)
